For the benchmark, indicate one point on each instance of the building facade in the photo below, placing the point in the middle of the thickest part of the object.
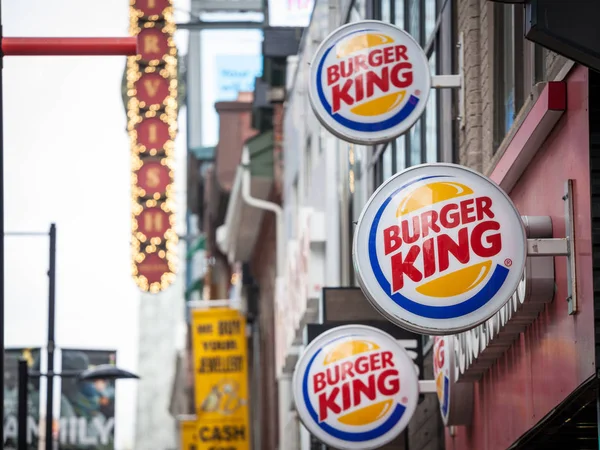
(530, 128)
(278, 236)
(328, 181)
(509, 81)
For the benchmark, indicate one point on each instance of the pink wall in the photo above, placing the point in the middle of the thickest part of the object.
(556, 353)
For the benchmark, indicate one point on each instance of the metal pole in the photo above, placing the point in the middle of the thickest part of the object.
(51, 344)
(2, 238)
(92, 46)
(22, 406)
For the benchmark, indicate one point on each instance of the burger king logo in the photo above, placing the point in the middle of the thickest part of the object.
(456, 400)
(441, 374)
(369, 82)
(439, 249)
(355, 387)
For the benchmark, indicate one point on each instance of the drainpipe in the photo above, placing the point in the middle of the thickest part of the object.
(275, 209)
(267, 206)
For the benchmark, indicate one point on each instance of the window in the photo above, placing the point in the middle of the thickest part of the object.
(519, 65)
(423, 141)
(358, 11)
(307, 168)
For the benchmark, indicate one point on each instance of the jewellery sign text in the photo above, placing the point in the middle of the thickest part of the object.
(221, 379)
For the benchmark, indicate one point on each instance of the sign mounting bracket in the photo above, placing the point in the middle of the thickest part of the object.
(455, 82)
(562, 247)
(427, 387)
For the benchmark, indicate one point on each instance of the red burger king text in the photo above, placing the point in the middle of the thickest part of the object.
(409, 237)
(355, 78)
(355, 382)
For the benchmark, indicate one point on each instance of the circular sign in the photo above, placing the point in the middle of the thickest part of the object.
(154, 44)
(154, 178)
(355, 387)
(369, 82)
(153, 222)
(456, 400)
(153, 133)
(439, 249)
(152, 90)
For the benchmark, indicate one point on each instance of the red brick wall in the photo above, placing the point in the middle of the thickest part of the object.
(278, 148)
(263, 271)
(263, 267)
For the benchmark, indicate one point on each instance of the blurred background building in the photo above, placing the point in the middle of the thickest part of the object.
(313, 187)
(271, 199)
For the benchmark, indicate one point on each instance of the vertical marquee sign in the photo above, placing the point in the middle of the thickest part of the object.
(152, 126)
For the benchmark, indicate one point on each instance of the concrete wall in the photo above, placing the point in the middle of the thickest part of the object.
(162, 325)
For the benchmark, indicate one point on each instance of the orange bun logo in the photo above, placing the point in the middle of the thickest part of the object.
(355, 387)
(441, 249)
(369, 82)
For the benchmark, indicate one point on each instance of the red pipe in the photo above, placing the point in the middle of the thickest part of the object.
(45, 46)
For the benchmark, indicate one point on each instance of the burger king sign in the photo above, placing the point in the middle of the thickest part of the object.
(456, 399)
(369, 82)
(355, 387)
(439, 249)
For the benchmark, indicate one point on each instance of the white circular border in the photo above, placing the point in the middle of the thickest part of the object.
(380, 299)
(358, 137)
(412, 392)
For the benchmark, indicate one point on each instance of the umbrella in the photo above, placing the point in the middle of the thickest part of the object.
(105, 372)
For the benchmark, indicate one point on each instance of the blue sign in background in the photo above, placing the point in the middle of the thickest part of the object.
(236, 73)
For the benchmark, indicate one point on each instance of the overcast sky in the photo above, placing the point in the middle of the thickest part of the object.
(67, 160)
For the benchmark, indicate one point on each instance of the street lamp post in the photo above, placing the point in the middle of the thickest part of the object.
(51, 318)
(104, 371)
(73, 46)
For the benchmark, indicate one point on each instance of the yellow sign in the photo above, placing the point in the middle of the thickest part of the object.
(221, 379)
(188, 437)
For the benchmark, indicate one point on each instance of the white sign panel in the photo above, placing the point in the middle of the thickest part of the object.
(439, 249)
(290, 13)
(369, 82)
(355, 387)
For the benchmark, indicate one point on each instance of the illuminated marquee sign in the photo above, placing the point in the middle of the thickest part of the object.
(355, 387)
(439, 249)
(152, 126)
(369, 82)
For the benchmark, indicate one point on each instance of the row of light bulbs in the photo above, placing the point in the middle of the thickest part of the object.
(146, 248)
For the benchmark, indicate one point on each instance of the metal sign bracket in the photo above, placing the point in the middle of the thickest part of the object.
(562, 247)
(427, 387)
(455, 82)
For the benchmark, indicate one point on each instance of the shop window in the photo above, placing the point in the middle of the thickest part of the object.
(519, 65)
